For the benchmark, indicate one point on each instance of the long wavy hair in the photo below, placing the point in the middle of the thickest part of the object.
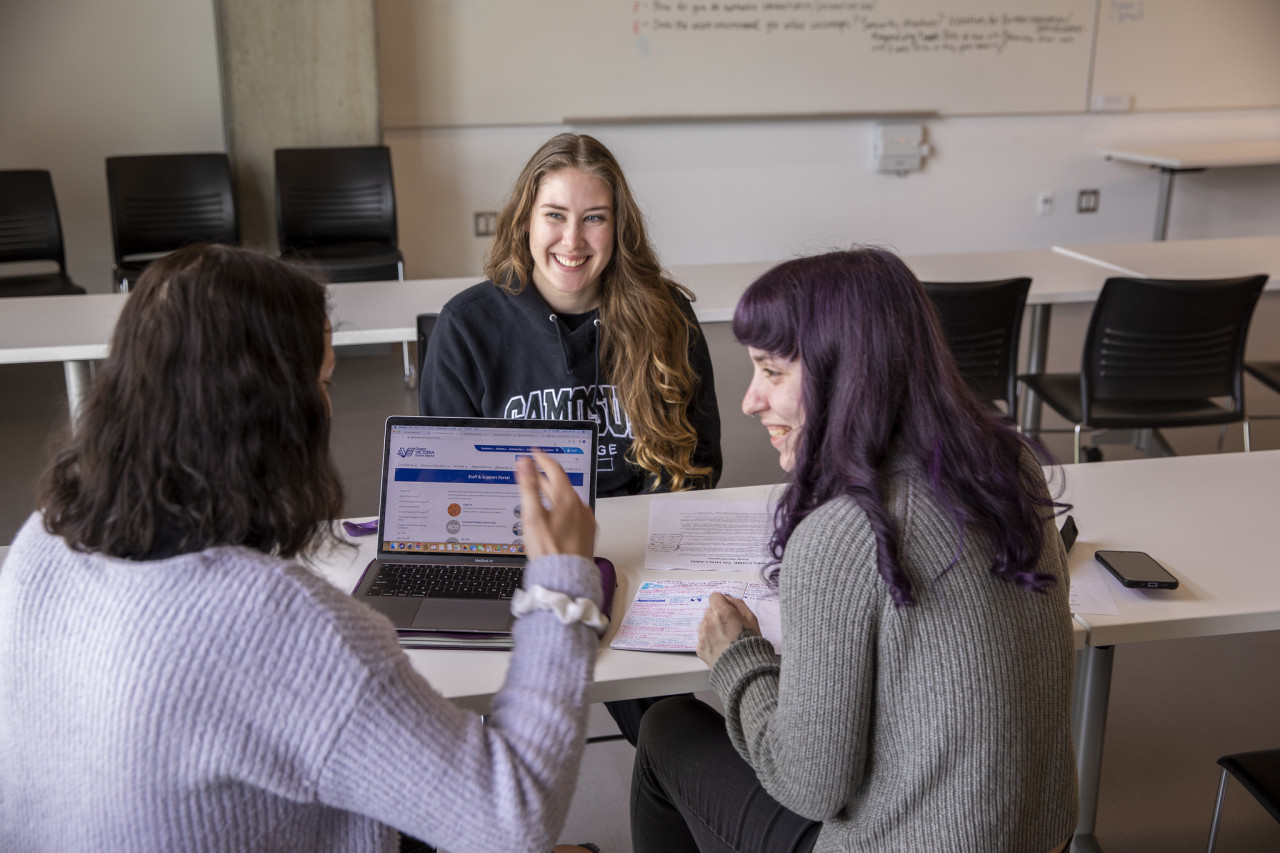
(645, 336)
(876, 372)
(207, 424)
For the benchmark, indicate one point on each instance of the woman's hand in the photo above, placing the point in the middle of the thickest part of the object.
(721, 624)
(569, 527)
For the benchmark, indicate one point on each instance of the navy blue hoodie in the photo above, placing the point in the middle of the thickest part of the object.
(494, 355)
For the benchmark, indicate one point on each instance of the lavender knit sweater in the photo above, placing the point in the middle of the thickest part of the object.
(229, 700)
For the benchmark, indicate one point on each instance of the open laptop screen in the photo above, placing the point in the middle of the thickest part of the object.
(449, 486)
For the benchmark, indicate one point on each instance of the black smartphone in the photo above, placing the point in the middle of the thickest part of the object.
(1069, 533)
(1136, 569)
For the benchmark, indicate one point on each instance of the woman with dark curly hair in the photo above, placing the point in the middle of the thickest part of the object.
(174, 678)
(923, 697)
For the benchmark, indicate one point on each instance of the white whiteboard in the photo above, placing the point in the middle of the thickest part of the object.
(490, 62)
(1189, 54)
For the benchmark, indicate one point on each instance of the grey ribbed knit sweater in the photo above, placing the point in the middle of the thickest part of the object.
(231, 701)
(942, 726)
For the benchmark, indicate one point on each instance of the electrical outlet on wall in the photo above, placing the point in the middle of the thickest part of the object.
(486, 222)
(1087, 201)
(1044, 203)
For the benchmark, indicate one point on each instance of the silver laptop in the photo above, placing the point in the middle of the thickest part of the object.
(450, 537)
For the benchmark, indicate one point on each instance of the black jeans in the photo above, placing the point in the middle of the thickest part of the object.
(691, 791)
(627, 714)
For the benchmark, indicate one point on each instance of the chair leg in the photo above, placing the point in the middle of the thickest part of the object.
(1247, 448)
(1077, 444)
(1217, 810)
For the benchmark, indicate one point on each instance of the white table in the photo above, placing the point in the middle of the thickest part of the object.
(1171, 158)
(1224, 257)
(71, 329)
(1208, 519)
(471, 678)
(76, 329)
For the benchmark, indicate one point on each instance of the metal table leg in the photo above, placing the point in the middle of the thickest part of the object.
(1090, 721)
(410, 372)
(79, 378)
(1037, 353)
(1162, 201)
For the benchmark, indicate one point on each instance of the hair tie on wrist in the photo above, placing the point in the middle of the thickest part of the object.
(566, 609)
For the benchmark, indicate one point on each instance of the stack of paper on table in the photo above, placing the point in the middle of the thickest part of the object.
(705, 536)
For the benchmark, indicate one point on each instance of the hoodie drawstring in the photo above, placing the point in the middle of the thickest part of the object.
(564, 350)
(595, 389)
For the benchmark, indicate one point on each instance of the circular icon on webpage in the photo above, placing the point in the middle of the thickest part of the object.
(516, 510)
(452, 540)
(455, 509)
(518, 528)
(453, 526)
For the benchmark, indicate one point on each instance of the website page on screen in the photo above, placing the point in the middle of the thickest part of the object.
(453, 489)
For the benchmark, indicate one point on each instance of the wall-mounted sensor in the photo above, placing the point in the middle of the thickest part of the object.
(899, 148)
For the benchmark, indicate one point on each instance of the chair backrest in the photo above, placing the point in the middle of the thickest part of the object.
(982, 321)
(327, 196)
(30, 229)
(426, 323)
(1168, 340)
(161, 202)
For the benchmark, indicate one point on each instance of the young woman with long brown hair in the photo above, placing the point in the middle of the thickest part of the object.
(579, 320)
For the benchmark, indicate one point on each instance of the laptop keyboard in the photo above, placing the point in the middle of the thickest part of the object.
(420, 581)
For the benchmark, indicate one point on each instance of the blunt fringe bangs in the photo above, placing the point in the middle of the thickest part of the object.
(207, 424)
(877, 372)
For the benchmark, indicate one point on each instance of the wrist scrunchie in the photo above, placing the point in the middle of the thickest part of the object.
(566, 609)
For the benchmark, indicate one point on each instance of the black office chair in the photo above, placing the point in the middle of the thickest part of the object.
(1259, 773)
(336, 210)
(1156, 354)
(162, 202)
(426, 323)
(30, 230)
(982, 321)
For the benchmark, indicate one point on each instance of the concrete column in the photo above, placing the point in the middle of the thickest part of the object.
(295, 73)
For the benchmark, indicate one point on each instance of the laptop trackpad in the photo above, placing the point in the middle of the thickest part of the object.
(463, 614)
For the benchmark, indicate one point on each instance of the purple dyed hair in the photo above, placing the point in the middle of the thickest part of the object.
(877, 371)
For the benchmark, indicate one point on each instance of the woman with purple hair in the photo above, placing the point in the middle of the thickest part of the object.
(923, 698)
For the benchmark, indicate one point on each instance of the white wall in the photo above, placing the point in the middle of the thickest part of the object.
(770, 190)
(87, 80)
(763, 191)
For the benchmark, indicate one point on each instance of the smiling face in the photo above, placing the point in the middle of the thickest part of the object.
(571, 239)
(774, 396)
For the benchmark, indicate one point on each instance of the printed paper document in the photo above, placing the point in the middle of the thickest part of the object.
(728, 536)
(665, 615)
